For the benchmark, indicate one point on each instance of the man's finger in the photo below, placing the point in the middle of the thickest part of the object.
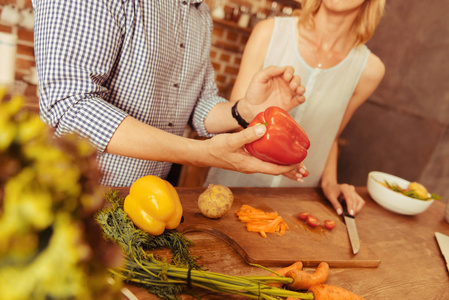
(248, 135)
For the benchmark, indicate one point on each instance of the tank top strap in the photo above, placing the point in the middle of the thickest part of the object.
(357, 62)
(283, 50)
(283, 32)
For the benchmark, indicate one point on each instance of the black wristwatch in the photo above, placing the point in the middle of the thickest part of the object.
(237, 116)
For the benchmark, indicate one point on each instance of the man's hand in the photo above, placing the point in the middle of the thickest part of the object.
(274, 86)
(226, 151)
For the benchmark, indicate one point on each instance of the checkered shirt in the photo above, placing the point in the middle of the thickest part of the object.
(99, 61)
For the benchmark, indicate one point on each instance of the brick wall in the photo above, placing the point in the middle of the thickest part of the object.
(229, 39)
(25, 48)
(226, 54)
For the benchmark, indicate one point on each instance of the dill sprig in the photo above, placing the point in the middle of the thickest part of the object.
(118, 227)
(169, 280)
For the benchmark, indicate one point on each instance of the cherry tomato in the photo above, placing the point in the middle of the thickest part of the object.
(313, 221)
(303, 215)
(329, 224)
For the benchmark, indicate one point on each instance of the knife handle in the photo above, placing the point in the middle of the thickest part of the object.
(342, 201)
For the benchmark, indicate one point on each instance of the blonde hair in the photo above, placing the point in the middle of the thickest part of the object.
(364, 25)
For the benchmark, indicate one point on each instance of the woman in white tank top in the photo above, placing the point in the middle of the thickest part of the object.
(326, 46)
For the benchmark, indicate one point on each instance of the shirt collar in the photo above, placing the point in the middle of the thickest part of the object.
(196, 2)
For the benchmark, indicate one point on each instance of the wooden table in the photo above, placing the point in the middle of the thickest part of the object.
(411, 267)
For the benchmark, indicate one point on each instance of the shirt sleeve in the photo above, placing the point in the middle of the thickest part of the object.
(208, 97)
(76, 45)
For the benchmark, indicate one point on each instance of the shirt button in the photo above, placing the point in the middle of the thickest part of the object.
(184, 2)
(181, 45)
(170, 124)
(176, 85)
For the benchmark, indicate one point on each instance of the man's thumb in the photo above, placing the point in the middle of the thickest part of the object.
(254, 132)
(248, 135)
(259, 130)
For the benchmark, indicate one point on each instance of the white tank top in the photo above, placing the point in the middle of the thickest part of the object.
(328, 92)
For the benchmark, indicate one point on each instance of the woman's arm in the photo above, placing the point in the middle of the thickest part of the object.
(253, 57)
(284, 91)
(369, 81)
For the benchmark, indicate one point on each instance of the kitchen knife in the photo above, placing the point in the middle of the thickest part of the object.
(351, 227)
(443, 242)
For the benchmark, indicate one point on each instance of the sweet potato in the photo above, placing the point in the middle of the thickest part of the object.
(303, 280)
(331, 292)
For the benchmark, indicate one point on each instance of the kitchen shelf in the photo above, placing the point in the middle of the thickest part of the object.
(231, 25)
(292, 3)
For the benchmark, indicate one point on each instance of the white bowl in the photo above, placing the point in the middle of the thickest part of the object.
(391, 200)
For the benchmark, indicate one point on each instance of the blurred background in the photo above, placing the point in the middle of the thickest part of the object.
(402, 129)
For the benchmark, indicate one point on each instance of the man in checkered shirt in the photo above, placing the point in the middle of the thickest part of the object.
(130, 74)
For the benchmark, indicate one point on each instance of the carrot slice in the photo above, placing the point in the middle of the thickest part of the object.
(257, 220)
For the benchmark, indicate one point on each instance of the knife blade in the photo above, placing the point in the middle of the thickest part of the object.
(351, 227)
(443, 243)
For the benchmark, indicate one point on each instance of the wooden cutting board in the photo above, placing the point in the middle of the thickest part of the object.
(300, 243)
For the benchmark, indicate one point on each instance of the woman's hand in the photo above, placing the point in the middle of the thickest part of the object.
(274, 86)
(226, 151)
(354, 202)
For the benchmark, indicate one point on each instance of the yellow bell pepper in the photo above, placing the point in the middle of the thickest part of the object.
(153, 205)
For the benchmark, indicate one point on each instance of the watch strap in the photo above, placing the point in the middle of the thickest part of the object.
(237, 116)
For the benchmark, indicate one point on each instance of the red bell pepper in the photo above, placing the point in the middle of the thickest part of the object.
(284, 143)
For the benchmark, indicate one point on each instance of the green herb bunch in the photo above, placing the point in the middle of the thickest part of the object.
(168, 279)
(49, 240)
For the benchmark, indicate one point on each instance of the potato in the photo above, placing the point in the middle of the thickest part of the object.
(215, 201)
(419, 189)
